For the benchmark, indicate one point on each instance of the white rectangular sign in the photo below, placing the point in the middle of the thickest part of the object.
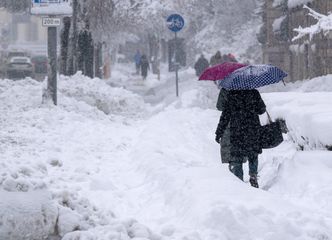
(51, 22)
(51, 7)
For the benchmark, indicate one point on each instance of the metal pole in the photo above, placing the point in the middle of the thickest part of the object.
(176, 67)
(52, 56)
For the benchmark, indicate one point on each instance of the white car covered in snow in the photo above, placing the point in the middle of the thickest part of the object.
(19, 67)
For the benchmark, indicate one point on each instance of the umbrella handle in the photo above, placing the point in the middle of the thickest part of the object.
(269, 117)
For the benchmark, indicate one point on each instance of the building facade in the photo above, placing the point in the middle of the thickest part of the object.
(22, 31)
(304, 58)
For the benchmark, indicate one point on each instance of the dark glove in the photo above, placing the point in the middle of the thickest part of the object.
(218, 139)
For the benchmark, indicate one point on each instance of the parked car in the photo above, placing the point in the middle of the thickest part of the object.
(39, 64)
(14, 53)
(19, 67)
(40, 67)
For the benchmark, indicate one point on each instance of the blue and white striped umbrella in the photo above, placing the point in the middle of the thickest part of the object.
(252, 76)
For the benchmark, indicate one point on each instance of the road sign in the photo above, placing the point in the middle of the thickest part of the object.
(51, 7)
(51, 22)
(175, 22)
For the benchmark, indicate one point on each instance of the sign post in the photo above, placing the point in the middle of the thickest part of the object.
(175, 23)
(52, 58)
(51, 10)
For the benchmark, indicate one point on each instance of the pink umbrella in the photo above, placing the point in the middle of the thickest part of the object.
(220, 71)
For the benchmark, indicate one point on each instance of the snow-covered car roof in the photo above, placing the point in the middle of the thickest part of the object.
(20, 60)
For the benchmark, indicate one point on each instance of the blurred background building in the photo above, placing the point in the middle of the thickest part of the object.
(22, 31)
(302, 58)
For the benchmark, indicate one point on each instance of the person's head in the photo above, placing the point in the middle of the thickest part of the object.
(202, 55)
(231, 56)
(144, 56)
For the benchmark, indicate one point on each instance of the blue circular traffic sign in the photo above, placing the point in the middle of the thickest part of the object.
(175, 22)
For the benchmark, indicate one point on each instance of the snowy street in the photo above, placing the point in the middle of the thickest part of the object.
(165, 120)
(153, 171)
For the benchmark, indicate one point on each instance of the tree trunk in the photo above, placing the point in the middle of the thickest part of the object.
(64, 46)
(81, 52)
(85, 51)
(72, 64)
(98, 60)
(89, 70)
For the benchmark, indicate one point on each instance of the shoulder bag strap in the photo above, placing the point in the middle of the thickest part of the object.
(268, 117)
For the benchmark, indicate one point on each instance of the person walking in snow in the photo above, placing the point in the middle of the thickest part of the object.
(201, 64)
(240, 111)
(216, 59)
(137, 59)
(145, 66)
(229, 58)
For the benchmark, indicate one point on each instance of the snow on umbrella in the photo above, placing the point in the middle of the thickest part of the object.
(220, 71)
(253, 76)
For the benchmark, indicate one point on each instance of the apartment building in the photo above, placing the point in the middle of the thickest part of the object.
(302, 58)
(22, 30)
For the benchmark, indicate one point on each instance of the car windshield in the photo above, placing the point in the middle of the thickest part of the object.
(39, 59)
(16, 54)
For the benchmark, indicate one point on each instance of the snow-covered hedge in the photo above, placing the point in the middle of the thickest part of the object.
(308, 116)
(305, 105)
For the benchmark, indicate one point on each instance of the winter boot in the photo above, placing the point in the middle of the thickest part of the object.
(253, 181)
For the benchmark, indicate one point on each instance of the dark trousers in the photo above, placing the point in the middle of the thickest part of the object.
(137, 68)
(235, 165)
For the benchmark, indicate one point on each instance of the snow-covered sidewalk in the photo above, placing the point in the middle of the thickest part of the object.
(106, 165)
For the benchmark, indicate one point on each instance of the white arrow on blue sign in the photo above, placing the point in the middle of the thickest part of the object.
(175, 22)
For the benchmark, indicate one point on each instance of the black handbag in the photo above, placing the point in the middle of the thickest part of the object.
(270, 134)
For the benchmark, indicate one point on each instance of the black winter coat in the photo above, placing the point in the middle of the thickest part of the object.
(242, 109)
(144, 67)
(225, 141)
(201, 65)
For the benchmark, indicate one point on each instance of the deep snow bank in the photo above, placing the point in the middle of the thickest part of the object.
(308, 116)
(318, 84)
(98, 93)
(185, 185)
(165, 171)
(49, 153)
(305, 105)
(31, 215)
